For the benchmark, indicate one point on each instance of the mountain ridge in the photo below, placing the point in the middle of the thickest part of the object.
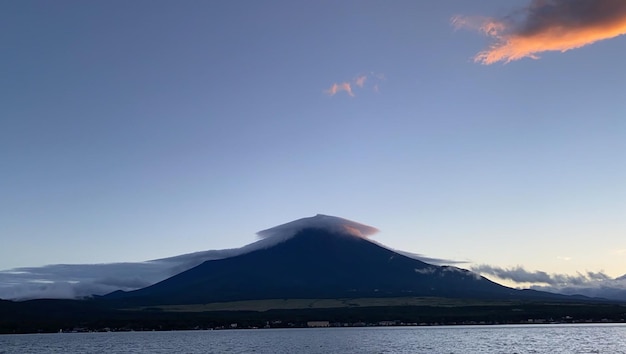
(319, 263)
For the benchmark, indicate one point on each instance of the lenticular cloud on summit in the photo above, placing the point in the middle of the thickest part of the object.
(547, 25)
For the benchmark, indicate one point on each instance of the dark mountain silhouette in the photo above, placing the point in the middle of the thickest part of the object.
(321, 257)
(320, 263)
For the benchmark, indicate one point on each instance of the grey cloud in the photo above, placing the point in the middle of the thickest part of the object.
(547, 25)
(520, 275)
(592, 284)
(542, 15)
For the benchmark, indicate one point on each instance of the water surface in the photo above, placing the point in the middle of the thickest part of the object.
(610, 338)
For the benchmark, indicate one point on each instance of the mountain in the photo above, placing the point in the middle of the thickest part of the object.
(319, 257)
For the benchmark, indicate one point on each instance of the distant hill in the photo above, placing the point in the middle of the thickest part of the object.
(611, 289)
(320, 262)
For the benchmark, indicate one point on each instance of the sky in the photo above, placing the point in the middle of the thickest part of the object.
(488, 132)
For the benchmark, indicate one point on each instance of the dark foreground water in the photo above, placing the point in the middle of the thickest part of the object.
(462, 339)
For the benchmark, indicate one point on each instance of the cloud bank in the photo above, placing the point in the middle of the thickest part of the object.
(547, 25)
(520, 275)
(593, 284)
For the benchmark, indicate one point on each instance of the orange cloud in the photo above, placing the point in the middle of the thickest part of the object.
(547, 25)
(344, 86)
(358, 82)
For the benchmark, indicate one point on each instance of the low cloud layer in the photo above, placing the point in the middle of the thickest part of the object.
(67, 281)
(547, 25)
(593, 284)
(520, 275)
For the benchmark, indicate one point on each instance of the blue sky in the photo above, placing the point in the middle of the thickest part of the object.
(140, 130)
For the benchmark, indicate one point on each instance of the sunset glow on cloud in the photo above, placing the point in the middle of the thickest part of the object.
(358, 82)
(335, 88)
(547, 25)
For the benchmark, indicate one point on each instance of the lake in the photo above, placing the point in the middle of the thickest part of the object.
(579, 338)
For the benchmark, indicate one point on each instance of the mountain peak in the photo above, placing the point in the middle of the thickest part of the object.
(327, 223)
(310, 259)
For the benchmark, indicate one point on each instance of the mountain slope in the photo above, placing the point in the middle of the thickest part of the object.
(319, 263)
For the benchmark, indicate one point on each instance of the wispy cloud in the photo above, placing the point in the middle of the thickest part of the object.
(426, 259)
(344, 86)
(547, 25)
(360, 82)
(428, 270)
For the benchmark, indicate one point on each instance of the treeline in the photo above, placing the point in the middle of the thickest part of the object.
(67, 315)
